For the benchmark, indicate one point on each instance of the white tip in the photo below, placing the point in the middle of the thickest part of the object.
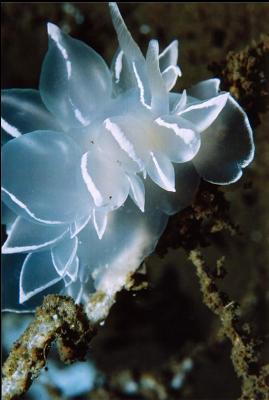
(11, 130)
(53, 30)
(96, 195)
(100, 223)
(173, 44)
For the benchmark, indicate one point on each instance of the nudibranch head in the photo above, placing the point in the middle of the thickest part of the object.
(97, 159)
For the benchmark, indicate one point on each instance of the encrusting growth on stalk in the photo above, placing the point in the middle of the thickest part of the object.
(58, 319)
(243, 354)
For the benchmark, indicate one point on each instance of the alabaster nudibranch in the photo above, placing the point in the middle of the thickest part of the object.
(96, 160)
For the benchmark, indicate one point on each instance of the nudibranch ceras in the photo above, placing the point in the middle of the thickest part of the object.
(91, 139)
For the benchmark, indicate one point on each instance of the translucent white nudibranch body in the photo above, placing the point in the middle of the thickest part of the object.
(96, 160)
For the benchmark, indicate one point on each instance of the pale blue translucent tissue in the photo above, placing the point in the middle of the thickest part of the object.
(75, 81)
(41, 180)
(8, 217)
(28, 236)
(97, 159)
(228, 153)
(130, 235)
(23, 111)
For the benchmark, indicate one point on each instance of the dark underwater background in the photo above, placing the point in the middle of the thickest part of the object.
(149, 333)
